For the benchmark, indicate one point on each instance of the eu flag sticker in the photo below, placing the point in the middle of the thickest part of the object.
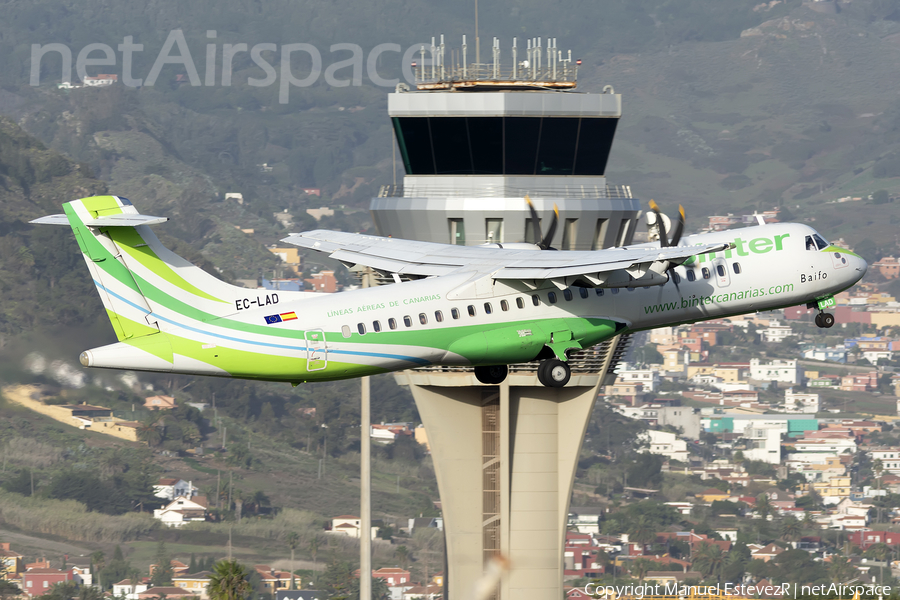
(273, 319)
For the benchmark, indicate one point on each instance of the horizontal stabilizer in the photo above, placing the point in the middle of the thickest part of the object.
(52, 220)
(125, 220)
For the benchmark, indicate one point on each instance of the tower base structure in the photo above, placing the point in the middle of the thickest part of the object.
(505, 458)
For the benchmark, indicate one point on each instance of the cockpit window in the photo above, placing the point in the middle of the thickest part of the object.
(810, 244)
(820, 241)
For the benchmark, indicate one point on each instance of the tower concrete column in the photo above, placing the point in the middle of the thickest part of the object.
(505, 458)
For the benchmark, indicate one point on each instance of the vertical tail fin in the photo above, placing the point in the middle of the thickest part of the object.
(139, 281)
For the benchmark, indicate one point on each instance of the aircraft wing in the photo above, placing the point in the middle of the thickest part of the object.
(613, 267)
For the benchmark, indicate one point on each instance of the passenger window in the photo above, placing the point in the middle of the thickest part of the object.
(471, 309)
(690, 275)
(376, 326)
(423, 318)
(361, 327)
(504, 305)
(520, 303)
(438, 316)
(676, 277)
(535, 300)
(345, 331)
(392, 323)
(407, 320)
(488, 309)
(551, 297)
(583, 292)
(614, 290)
(454, 312)
(567, 294)
(599, 291)
(720, 269)
(736, 267)
(706, 273)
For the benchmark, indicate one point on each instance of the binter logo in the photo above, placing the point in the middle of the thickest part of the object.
(760, 245)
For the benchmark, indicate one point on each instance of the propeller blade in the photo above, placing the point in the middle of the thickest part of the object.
(679, 227)
(660, 226)
(535, 221)
(548, 239)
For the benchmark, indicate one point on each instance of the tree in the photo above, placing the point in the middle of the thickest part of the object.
(163, 571)
(642, 531)
(881, 197)
(314, 550)
(640, 566)
(763, 506)
(292, 540)
(841, 569)
(229, 581)
(791, 530)
(403, 555)
(710, 560)
(8, 589)
(114, 570)
(150, 431)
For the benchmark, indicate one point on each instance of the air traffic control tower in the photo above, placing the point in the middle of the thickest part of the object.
(475, 139)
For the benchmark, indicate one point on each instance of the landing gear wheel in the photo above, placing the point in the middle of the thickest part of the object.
(825, 320)
(554, 373)
(491, 375)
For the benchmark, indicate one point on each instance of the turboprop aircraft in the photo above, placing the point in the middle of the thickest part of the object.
(481, 306)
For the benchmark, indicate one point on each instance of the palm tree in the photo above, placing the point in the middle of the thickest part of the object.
(403, 555)
(149, 431)
(642, 532)
(763, 506)
(313, 551)
(841, 570)
(228, 581)
(640, 566)
(292, 540)
(791, 530)
(710, 560)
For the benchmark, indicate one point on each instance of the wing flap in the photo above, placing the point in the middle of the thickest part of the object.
(125, 220)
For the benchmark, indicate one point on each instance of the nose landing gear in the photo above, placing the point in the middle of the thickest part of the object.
(825, 320)
(554, 373)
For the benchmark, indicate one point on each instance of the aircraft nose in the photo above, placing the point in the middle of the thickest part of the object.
(862, 266)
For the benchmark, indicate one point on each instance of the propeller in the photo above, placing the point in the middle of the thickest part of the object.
(544, 243)
(664, 241)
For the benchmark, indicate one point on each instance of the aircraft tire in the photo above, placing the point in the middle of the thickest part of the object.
(491, 375)
(827, 320)
(554, 373)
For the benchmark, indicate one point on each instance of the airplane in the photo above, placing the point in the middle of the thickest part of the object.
(481, 306)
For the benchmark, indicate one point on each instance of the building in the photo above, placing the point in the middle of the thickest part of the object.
(666, 444)
(349, 525)
(130, 589)
(301, 595)
(685, 418)
(182, 510)
(392, 575)
(775, 333)
(796, 402)
(195, 583)
(100, 80)
(785, 371)
(160, 403)
(168, 488)
(889, 457)
(12, 564)
(836, 354)
(648, 378)
(860, 382)
(37, 582)
(274, 580)
(163, 592)
(323, 281)
(764, 443)
(290, 257)
(889, 267)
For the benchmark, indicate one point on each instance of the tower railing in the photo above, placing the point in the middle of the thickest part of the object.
(504, 191)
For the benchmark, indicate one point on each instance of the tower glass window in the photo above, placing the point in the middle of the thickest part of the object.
(504, 145)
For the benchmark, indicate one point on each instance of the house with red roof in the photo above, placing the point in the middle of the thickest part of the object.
(38, 581)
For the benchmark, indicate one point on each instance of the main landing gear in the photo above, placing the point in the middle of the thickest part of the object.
(554, 373)
(492, 375)
(825, 320)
